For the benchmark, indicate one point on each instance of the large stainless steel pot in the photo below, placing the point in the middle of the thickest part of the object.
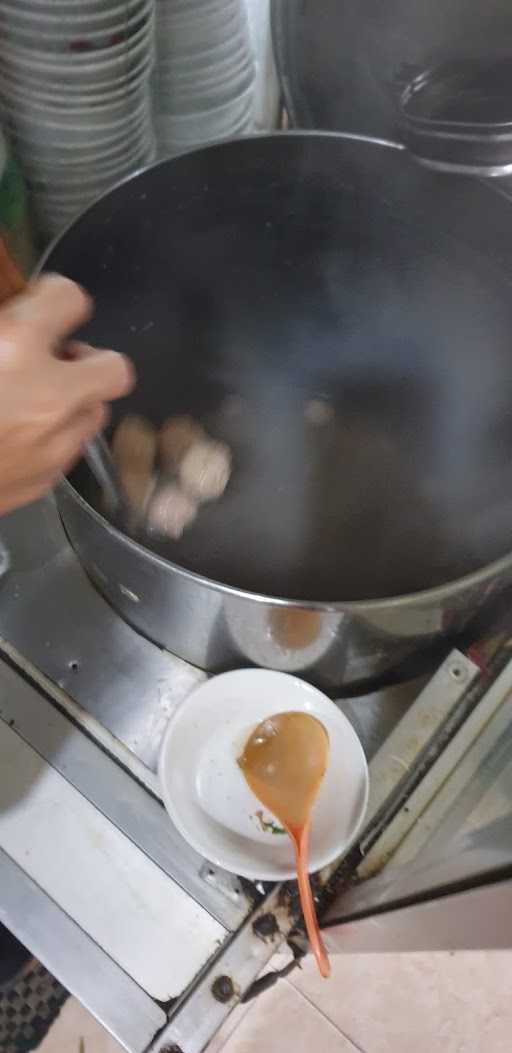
(253, 276)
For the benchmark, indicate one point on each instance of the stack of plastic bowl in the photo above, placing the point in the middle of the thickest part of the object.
(203, 84)
(75, 97)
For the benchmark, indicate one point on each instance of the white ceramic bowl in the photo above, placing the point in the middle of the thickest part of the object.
(204, 100)
(72, 7)
(199, 73)
(84, 65)
(222, 32)
(62, 20)
(47, 140)
(191, 10)
(176, 145)
(113, 94)
(175, 64)
(217, 111)
(168, 147)
(50, 140)
(65, 184)
(199, 7)
(224, 83)
(204, 21)
(51, 126)
(64, 91)
(31, 94)
(198, 128)
(220, 123)
(69, 36)
(78, 47)
(64, 170)
(207, 796)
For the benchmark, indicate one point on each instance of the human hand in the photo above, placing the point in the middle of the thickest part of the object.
(50, 407)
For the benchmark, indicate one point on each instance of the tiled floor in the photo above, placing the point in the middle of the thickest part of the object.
(409, 1003)
(76, 1031)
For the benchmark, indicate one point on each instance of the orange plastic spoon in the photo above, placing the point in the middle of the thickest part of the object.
(284, 762)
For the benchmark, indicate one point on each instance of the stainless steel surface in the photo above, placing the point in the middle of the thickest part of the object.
(54, 617)
(150, 926)
(476, 171)
(474, 858)
(469, 788)
(218, 629)
(98, 457)
(41, 565)
(375, 716)
(407, 751)
(403, 712)
(456, 117)
(73, 957)
(38, 564)
(193, 1027)
(454, 828)
(118, 796)
(344, 71)
(479, 919)
(393, 522)
(194, 1022)
(83, 719)
(128, 686)
(400, 752)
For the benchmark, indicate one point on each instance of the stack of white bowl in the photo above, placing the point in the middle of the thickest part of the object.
(203, 84)
(75, 97)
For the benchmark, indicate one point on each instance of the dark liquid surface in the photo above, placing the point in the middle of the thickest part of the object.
(308, 269)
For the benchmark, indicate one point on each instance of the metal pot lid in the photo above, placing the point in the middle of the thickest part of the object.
(459, 115)
(404, 72)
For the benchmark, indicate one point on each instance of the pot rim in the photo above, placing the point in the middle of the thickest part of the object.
(425, 597)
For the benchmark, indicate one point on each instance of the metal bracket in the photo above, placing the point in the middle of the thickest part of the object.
(219, 991)
(226, 883)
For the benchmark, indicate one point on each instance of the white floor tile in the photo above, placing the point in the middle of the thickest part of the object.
(382, 1003)
(284, 1022)
(76, 1031)
(232, 1024)
(395, 1003)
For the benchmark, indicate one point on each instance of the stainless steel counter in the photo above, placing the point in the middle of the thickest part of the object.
(51, 613)
(93, 877)
(84, 701)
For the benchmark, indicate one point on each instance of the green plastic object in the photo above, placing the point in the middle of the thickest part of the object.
(15, 226)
